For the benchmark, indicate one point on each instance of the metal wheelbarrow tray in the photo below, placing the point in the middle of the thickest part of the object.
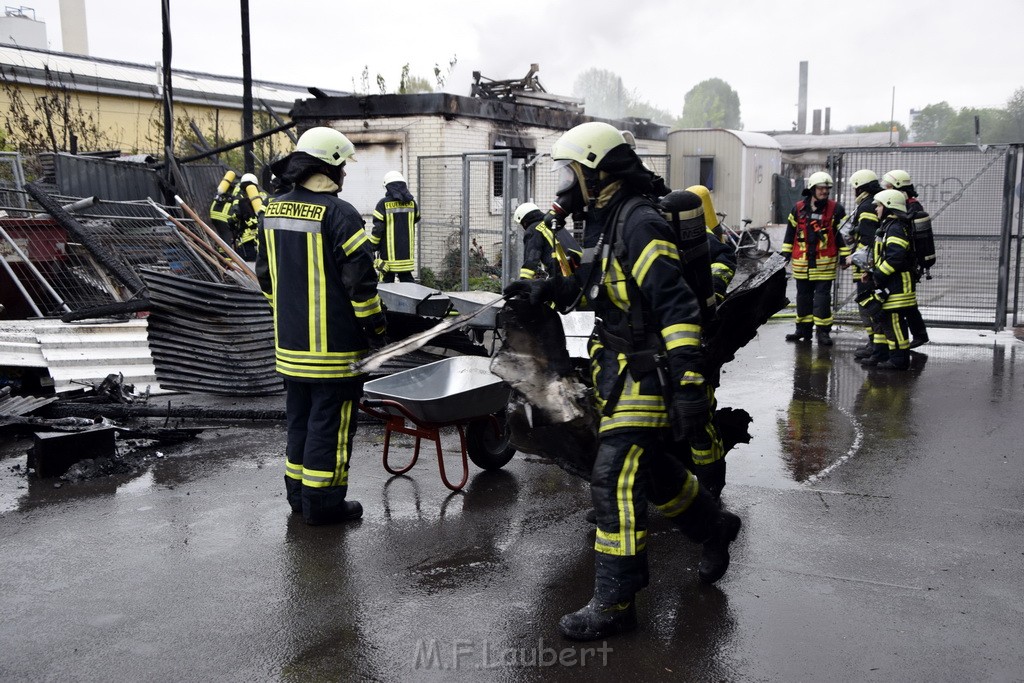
(458, 392)
(410, 297)
(472, 301)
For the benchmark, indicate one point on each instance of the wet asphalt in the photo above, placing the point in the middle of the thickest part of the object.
(881, 542)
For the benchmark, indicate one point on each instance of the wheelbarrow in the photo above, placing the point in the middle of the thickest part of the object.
(458, 392)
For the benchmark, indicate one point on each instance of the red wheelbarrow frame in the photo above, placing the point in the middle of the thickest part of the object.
(421, 430)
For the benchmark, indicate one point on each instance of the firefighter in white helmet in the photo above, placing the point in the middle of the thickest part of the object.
(394, 230)
(548, 249)
(924, 246)
(646, 360)
(815, 249)
(892, 275)
(315, 269)
(863, 225)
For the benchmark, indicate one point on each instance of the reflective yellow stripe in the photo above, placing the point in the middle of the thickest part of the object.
(341, 455)
(323, 358)
(651, 252)
(633, 420)
(364, 309)
(354, 242)
(292, 470)
(624, 498)
(682, 334)
(681, 502)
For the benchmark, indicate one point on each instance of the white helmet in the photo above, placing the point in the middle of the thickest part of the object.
(819, 178)
(248, 178)
(892, 199)
(897, 178)
(393, 177)
(587, 143)
(326, 144)
(862, 177)
(523, 210)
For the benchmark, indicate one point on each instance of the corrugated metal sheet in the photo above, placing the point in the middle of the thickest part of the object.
(211, 338)
(23, 405)
(113, 180)
(77, 353)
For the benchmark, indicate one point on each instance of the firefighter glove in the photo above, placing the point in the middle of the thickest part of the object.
(688, 412)
(537, 291)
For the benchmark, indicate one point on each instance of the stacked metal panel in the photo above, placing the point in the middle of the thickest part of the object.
(209, 337)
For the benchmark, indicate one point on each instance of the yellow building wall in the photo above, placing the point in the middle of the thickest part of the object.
(132, 125)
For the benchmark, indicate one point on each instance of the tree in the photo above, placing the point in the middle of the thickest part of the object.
(882, 127)
(642, 109)
(711, 104)
(602, 92)
(994, 123)
(931, 123)
(1015, 115)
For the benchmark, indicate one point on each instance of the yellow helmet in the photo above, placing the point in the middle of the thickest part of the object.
(892, 199)
(819, 178)
(523, 210)
(588, 143)
(897, 179)
(710, 218)
(862, 177)
(326, 144)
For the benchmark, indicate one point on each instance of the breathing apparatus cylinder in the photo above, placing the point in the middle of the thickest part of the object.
(253, 193)
(685, 213)
(924, 243)
(225, 182)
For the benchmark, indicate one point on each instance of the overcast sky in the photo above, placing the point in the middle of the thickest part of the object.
(968, 54)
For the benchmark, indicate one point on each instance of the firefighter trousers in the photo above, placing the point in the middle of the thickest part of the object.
(813, 305)
(321, 427)
(633, 468)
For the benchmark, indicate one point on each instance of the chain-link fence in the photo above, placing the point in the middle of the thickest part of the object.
(57, 271)
(973, 198)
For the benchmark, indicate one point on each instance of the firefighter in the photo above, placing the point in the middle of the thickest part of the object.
(220, 209)
(863, 224)
(892, 275)
(646, 362)
(394, 230)
(722, 256)
(924, 246)
(813, 246)
(546, 251)
(247, 207)
(318, 275)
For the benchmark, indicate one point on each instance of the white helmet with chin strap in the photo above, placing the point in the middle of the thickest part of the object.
(523, 210)
(326, 144)
(393, 177)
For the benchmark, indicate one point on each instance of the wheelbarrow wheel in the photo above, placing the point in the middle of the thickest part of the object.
(487, 450)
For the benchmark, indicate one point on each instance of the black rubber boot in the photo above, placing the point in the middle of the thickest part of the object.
(898, 360)
(714, 559)
(880, 354)
(328, 506)
(824, 337)
(714, 527)
(597, 620)
(293, 490)
(798, 336)
(864, 351)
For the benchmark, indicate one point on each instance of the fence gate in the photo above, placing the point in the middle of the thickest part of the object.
(973, 196)
(465, 212)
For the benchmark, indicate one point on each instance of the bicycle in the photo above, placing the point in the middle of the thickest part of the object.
(753, 243)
